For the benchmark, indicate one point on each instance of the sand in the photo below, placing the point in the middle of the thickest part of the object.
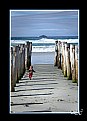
(48, 92)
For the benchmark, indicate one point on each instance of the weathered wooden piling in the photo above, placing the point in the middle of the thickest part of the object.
(76, 62)
(18, 64)
(14, 65)
(18, 67)
(29, 48)
(20, 53)
(68, 64)
(59, 55)
(56, 53)
(73, 64)
(65, 66)
(67, 60)
(12, 72)
(23, 58)
(62, 65)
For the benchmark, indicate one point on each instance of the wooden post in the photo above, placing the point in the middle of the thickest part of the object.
(12, 79)
(23, 58)
(18, 69)
(73, 64)
(68, 61)
(29, 49)
(14, 65)
(20, 61)
(65, 67)
(59, 55)
(71, 57)
(26, 56)
(76, 62)
(56, 53)
(17, 64)
(62, 57)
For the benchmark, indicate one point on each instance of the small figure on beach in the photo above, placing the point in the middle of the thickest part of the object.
(31, 70)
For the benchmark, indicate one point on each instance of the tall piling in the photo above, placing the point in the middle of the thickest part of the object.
(56, 53)
(67, 60)
(12, 72)
(14, 65)
(73, 64)
(29, 48)
(18, 64)
(68, 64)
(76, 62)
(62, 65)
(21, 60)
(23, 53)
(65, 66)
(21, 68)
(59, 55)
(25, 56)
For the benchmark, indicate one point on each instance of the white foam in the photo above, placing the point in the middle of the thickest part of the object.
(50, 48)
(45, 40)
(43, 48)
(69, 40)
(18, 41)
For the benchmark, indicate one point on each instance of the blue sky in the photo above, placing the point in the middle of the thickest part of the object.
(49, 23)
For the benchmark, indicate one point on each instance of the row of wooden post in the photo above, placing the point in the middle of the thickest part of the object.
(66, 58)
(20, 61)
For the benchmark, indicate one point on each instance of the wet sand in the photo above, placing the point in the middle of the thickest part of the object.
(42, 57)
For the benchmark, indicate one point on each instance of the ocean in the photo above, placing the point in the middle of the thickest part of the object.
(43, 49)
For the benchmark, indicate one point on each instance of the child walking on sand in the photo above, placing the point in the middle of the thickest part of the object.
(31, 70)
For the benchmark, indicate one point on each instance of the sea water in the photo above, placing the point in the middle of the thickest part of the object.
(43, 50)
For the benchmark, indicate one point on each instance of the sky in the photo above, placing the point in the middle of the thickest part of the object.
(50, 23)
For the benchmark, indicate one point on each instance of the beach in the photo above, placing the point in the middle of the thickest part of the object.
(48, 92)
(42, 57)
(47, 41)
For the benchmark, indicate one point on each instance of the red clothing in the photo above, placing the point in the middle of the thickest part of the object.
(30, 75)
(31, 72)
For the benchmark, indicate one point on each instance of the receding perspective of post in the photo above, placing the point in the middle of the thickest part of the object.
(54, 80)
(44, 61)
(18, 65)
(67, 60)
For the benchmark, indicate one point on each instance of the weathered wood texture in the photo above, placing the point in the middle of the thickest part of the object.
(67, 60)
(18, 64)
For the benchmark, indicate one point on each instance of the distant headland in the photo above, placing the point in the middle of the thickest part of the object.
(44, 36)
